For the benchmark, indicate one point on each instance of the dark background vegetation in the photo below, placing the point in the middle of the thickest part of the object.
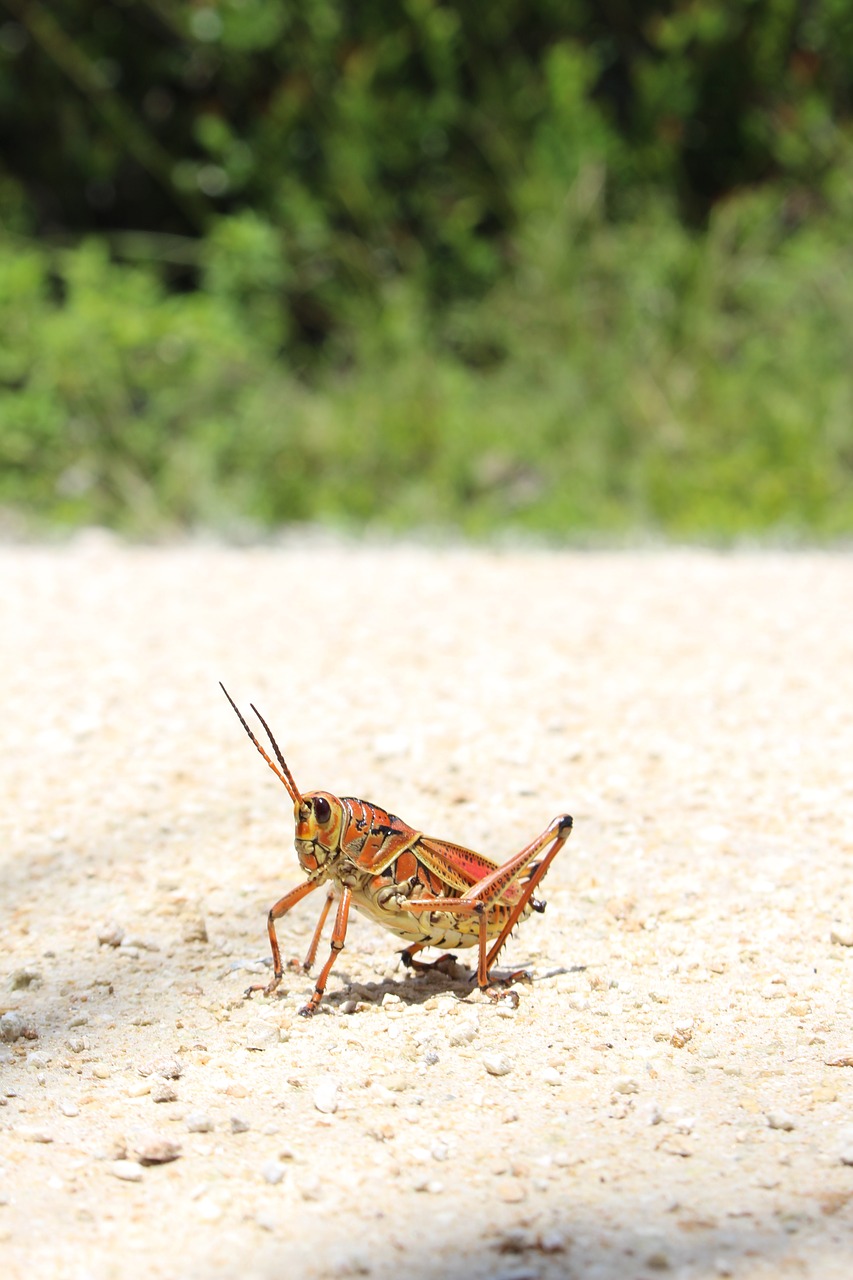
(570, 266)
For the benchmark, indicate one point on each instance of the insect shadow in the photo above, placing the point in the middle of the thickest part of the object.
(448, 976)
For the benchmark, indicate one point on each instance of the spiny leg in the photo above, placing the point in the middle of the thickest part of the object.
(280, 909)
(339, 933)
(564, 830)
(488, 892)
(450, 907)
(461, 906)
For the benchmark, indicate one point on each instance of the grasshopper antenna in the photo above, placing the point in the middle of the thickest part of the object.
(294, 790)
(284, 775)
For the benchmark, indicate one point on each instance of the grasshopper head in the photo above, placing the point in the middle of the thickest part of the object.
(319, 819)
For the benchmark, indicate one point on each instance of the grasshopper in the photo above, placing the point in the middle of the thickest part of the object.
(429, 892)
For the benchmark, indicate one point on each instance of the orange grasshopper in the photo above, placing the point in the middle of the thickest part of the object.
(429, 892)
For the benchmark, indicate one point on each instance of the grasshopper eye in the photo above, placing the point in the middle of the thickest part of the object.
(322, 810)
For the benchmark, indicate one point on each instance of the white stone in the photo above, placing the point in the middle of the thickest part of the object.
(326, 1095)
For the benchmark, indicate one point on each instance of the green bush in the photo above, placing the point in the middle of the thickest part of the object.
(626, 375)
(380, 139)
(559, 267)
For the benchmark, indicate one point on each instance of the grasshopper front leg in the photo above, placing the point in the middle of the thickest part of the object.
(280, 909)
(339, 933)
(308, 963)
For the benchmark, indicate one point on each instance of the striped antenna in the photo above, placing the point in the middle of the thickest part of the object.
(284, 775)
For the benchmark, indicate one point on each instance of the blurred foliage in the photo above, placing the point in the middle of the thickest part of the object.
(554, 265)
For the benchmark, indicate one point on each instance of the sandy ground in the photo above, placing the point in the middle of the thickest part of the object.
(677, 1087)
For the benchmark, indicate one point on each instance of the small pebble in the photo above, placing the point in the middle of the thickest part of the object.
(35, 1135)
(430, 1185)
(199, 1122)
(138, 944)
(126, 1170)
(497, 1064)
(511, 1192)
(397, 1083)
(156, 1150)
(209, 1210)
(261, 1035)
(626, 1084)
(69, 1109)
(551, 1076)
(781, 1120)
(101, 1071)
(169, 1069)
(326, 1096)
(239, 1125)
(195, 929)
(12, 1026)
(110, 934)
(163, 1093)
(842, 937)
(273, 1172)
(515, 1240)
(463, 1033)
(38, 1060)
(20, 979)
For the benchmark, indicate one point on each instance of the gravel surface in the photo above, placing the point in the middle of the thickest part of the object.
(673, 1093)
